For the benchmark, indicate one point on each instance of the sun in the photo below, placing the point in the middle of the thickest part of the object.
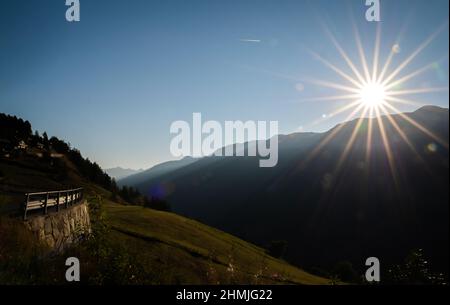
(371, 91)
(372, 94)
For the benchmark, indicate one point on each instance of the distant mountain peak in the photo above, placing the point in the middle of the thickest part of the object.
(431, 108)
(120, 173)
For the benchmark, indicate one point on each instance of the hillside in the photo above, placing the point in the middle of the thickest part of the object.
(29, 171)
(321, 202)
(189, 252)
(163, 248)
(136, 245)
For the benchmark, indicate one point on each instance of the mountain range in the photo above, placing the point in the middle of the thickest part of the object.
(329, 198)
(155, 171)
(120, 173)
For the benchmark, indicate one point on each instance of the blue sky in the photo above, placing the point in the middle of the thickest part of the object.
(112, 84)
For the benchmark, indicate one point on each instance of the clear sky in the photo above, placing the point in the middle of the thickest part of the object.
(112, 84)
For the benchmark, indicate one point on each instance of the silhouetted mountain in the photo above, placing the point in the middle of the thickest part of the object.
(328, 207)
(156, 171)
(120, 173)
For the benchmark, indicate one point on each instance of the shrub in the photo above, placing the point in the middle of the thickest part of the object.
(415, 270)
(345, 272)
(277, 248)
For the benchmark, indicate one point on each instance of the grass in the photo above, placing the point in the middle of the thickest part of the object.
(141, 246)
(136, 245)
(179, 250)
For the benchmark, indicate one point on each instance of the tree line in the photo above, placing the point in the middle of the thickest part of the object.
(14, 130)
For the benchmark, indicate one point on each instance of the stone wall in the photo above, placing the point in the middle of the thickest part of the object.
(58, 230)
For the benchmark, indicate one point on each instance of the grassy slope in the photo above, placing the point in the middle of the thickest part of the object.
(189, 252)
(171, 248)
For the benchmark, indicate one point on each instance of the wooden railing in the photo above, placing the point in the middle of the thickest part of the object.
(45, 200)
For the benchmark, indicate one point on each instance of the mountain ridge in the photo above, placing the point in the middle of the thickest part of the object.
(121, 173)
(235, 195)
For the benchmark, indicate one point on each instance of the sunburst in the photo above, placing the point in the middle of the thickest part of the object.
(372, 91)
(371, 86)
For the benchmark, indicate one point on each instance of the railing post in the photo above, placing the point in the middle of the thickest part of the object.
(25, 208)
(41, 200)
(45, 204)
(57, 202)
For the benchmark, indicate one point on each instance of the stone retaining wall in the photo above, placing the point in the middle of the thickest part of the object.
(60, 229)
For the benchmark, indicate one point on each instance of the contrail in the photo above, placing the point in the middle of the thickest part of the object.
(250, 40)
